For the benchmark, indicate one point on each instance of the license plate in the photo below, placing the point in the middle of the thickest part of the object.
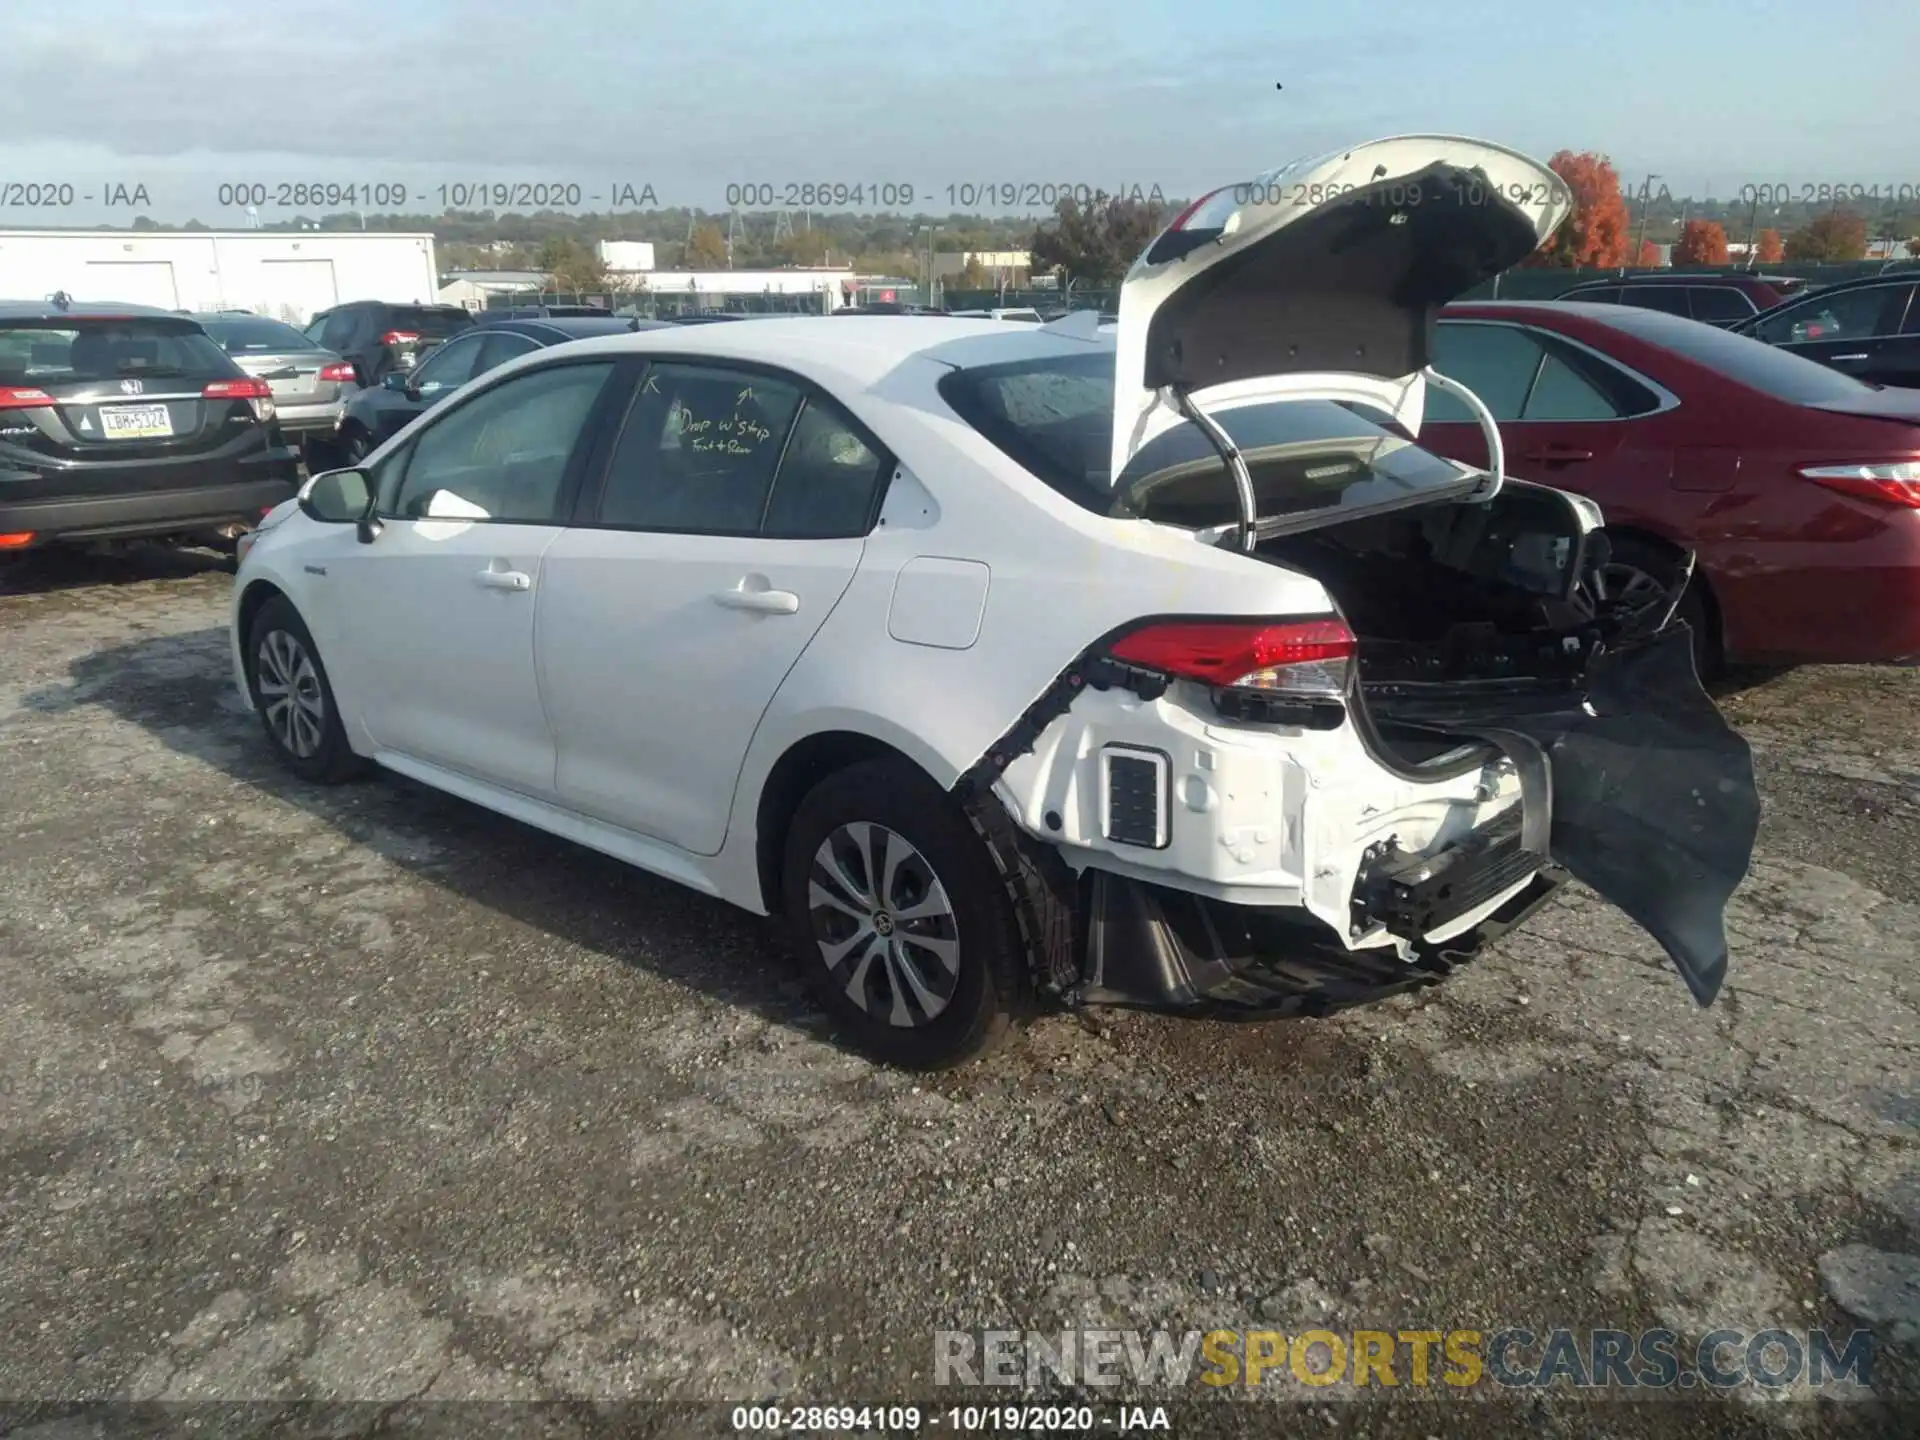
(287, 387)
(135, 422)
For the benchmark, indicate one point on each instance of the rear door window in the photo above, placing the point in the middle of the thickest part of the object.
(828, 480)
(1497, 362)
(449, 367)
(1672, 299)
(501, 347)
(1719, 304)
(698, 451)
(78, 350)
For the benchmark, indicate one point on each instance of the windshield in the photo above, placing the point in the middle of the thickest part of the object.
(77, 350)
(254, 335)
(1055, 415)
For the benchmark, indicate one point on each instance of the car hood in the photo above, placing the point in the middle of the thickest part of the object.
(1321, 277)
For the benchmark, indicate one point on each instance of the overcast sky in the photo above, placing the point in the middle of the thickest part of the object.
(182, 95)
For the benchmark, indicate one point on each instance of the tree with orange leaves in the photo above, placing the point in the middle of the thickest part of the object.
(1702, 242)
(1769, 248)
(1595, 235)
(1649, 256)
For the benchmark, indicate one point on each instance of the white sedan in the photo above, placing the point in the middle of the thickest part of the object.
(1143, 665)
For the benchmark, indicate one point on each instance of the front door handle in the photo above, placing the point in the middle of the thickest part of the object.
(763, 602)
(1557, 454)
(505, 579)
(1862, 355)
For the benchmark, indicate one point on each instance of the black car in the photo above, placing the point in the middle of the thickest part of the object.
(374, 415)
(1723, 300)
(1867, 328)
(121, 421)
(378, 338)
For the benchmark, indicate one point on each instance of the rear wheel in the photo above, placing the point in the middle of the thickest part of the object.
(1637, 576)
(294, 699)
(905, 932)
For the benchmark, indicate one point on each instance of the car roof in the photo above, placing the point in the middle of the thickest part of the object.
(572, 327)
(858, 351)
(47, 310)
(1683, 278)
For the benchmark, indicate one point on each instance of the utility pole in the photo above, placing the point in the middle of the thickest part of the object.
(1646, 209)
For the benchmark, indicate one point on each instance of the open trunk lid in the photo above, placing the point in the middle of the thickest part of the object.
(1323, 277)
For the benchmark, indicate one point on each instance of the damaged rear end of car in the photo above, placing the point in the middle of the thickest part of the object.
(1252, 815)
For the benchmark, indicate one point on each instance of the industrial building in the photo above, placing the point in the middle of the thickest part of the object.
(285, 274)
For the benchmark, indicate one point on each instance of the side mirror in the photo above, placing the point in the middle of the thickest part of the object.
(340, 497)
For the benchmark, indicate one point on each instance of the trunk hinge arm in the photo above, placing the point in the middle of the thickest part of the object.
(1229, 452)
(1489, 427)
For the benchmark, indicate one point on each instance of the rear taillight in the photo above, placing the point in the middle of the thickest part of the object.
(1299, 657)
(340, 373)
(23, 397)
(1891, 482)
(248, 389)
(16, 540)
(400, 337)
(257, 393)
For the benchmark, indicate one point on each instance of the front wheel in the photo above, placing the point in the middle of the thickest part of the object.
(294, 699)
(906, 934)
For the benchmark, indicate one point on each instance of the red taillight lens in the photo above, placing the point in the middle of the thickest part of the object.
(23, 397)
(15, 540)
(237, 390)
(1891, 482)
(339, 373)
(1294, 655)
(399, 337)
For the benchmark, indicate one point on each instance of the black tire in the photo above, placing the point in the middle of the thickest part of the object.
(294, 698)
(354, 448)
(1660, 565)
(977, 992)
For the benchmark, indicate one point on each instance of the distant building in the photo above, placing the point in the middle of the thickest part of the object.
(471, 288)
(627, 256)
(1002, 267)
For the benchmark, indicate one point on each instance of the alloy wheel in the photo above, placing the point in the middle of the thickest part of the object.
(291, 699)
(884, 924)
(1627, 586)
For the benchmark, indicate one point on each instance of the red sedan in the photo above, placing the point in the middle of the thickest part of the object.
(1798, 488)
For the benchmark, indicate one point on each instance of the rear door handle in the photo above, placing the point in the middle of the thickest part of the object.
(505, 579)
(1551, 453)
(764, 602)
(1862, 355)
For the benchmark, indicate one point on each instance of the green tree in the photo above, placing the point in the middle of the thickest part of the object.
(1096, 243)
(1838, 235)
(707, 250)
(571, 265)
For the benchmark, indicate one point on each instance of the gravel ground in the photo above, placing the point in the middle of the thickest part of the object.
(367, 1095)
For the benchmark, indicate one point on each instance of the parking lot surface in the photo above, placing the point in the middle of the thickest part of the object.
(366, 1094)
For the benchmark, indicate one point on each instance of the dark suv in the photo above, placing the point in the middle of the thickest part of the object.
(1723, 300)
(122, 421)
(377, 337)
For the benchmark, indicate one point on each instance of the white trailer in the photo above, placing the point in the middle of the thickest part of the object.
(286, 274)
